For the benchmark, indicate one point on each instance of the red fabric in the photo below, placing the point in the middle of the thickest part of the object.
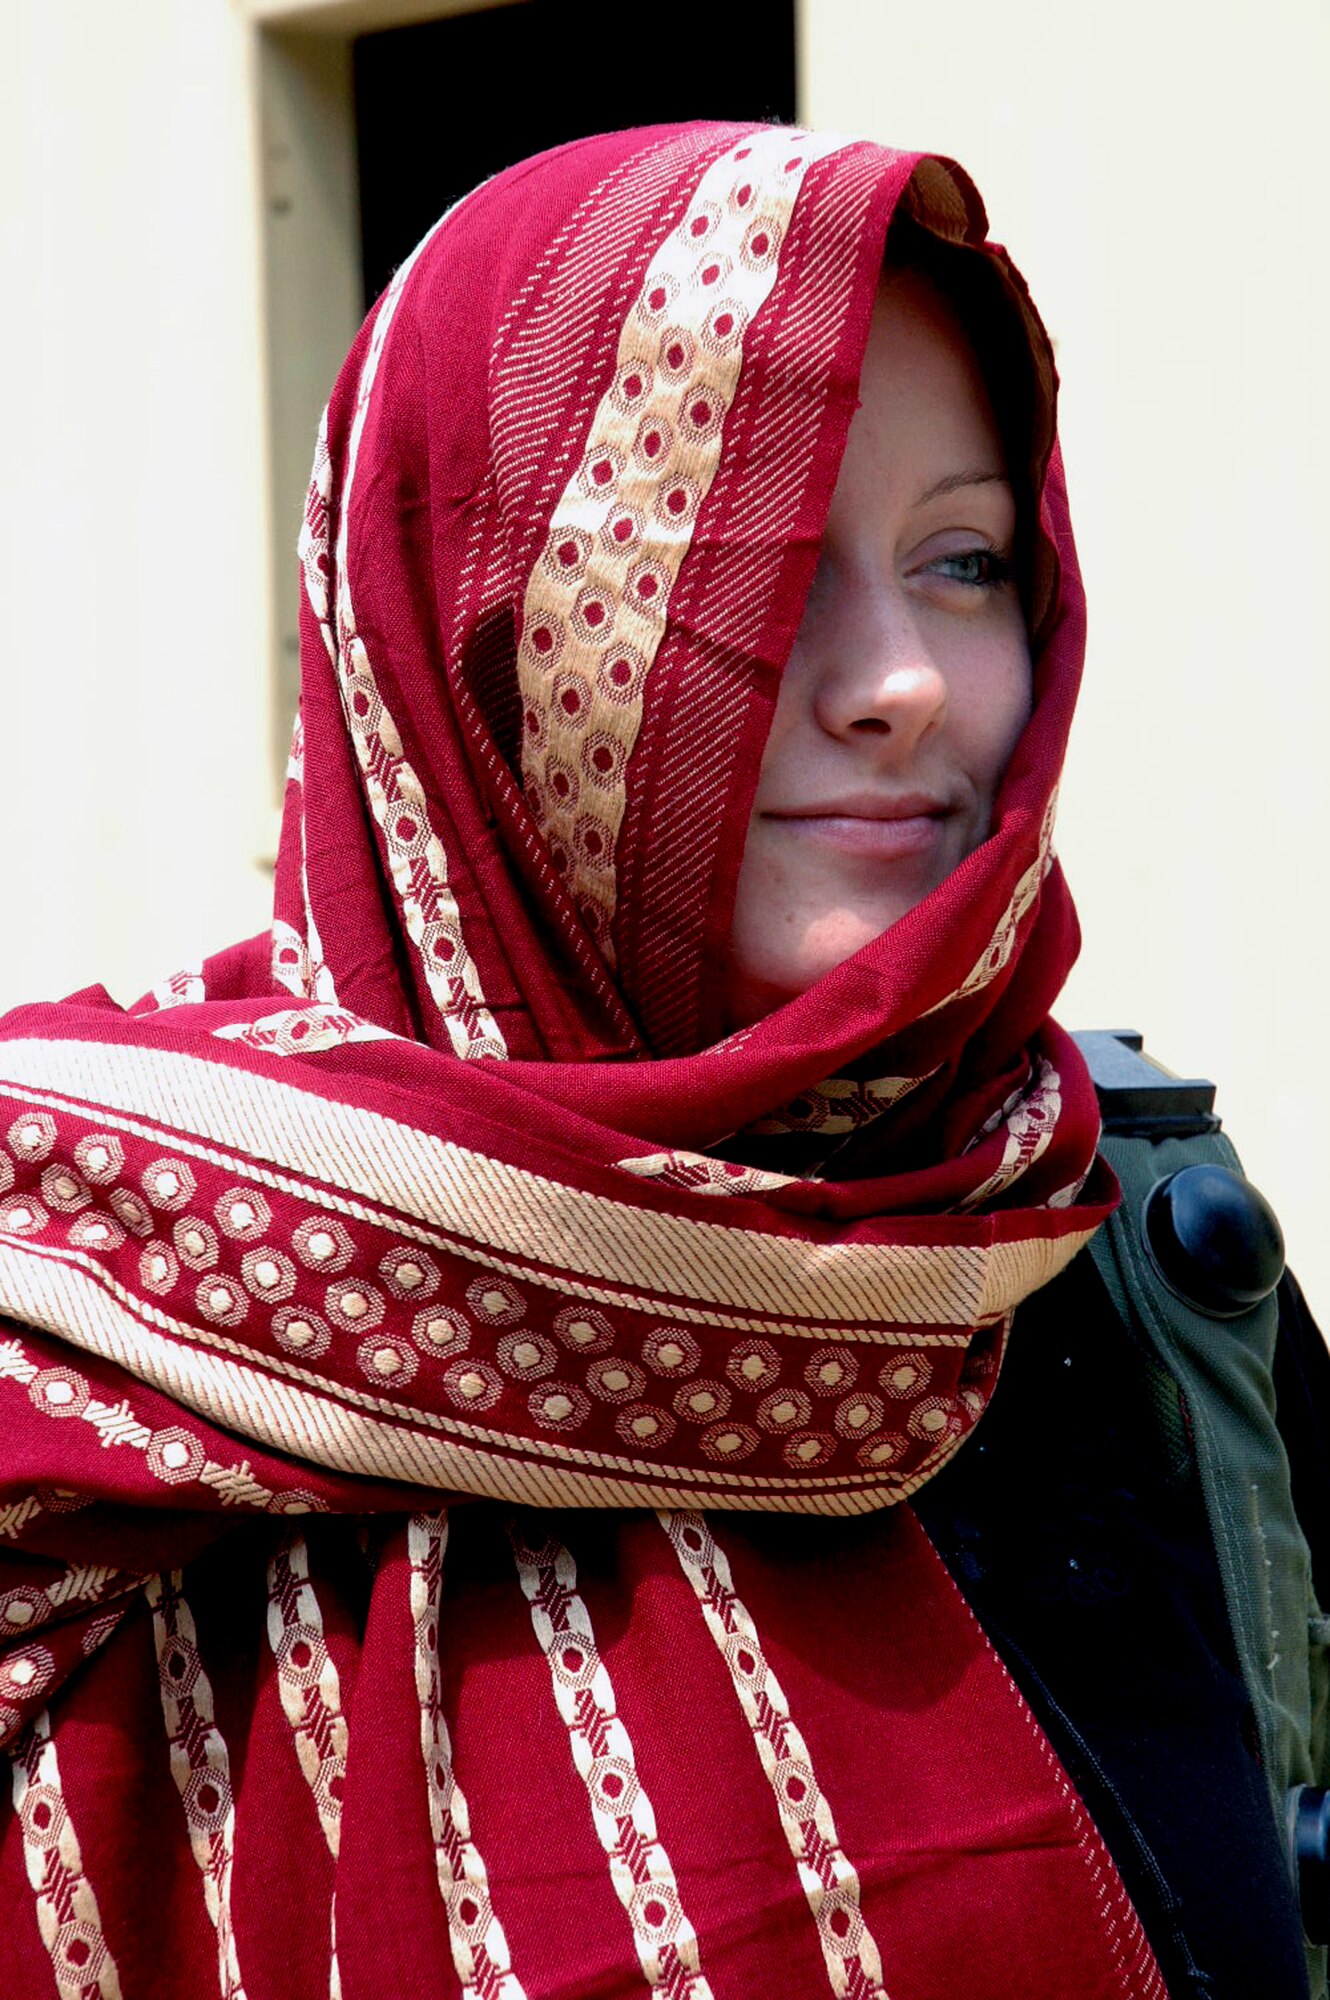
(460, 877)
(977, 1869)
(421, 1198)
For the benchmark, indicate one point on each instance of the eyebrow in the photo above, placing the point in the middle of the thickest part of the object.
(955, 480)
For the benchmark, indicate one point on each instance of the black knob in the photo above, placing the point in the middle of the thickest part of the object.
(1309, 1826)
(1214, 1239)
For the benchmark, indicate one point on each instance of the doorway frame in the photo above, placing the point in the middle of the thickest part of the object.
(302, 88)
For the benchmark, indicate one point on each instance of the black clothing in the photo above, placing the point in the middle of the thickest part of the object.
(1074, 1523)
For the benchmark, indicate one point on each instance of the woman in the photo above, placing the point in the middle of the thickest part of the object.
(646, 1100)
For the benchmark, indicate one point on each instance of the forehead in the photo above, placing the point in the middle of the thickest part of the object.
(923, 401)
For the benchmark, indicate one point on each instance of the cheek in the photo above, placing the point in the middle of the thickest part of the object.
(786, 747)
(990, 704)
(786, 930)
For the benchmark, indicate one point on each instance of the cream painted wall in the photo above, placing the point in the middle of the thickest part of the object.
(1159, 177)
(136, 791)
(1160, 173)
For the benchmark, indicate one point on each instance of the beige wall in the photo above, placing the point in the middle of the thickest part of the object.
(1161, 175)
(1158, 176)
(133, 604)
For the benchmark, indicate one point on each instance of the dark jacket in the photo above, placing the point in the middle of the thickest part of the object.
(1076, 1525)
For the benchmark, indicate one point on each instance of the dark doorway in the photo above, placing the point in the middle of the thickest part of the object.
(441, 106)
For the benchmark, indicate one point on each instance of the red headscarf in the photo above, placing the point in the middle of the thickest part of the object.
(431, 1186)
(564, 513)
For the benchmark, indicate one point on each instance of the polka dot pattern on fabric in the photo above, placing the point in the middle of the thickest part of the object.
(355, 1305)
(64, 1191)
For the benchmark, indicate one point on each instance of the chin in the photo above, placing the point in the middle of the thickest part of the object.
(848, 938)
(766, 982)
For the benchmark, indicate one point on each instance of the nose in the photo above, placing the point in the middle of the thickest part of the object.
(875, 678)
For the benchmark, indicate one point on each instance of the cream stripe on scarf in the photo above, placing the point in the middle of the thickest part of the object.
(182, 989)
(594, 610)
(996, 954)
(311, 1694)
(302, 1031)
(382, 1439)
(417, 861)
(622, 1813)
(828, 1878)
(489, 1204)
(29, 1607)
(67, 1914)
(296, 956)
(1029, 1126)
(313, 551)
(15, 1517)
(200, 1764)
(173, 1454)
(480, 1949)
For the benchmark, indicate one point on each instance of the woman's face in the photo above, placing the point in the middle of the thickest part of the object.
(909, 681)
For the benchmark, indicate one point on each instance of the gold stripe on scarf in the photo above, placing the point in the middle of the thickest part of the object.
(602, 1751)
(285, 1408)
(826, 1874)
(200, 1764)
(417, 861)
(68, 1915)
(594, 610)
(479, 1947)
(710, 1271)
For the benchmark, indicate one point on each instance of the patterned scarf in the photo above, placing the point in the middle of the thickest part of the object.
(435, 1198)
(430, 1187)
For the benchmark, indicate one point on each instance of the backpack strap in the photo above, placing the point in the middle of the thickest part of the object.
(1217, 1339)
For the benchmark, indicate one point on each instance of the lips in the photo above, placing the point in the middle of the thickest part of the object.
(867, 806)
(881, 828)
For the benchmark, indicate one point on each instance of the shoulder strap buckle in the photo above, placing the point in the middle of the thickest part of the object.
(1138, 1097)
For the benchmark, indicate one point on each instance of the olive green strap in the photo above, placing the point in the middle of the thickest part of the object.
(1223, 1367)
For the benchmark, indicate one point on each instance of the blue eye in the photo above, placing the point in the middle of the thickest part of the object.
(983, 569)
